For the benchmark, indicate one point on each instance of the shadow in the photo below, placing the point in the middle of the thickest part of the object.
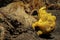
(34, 13)
(46, 36)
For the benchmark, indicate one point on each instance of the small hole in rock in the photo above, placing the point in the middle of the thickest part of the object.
(35, 13)
(37, 28)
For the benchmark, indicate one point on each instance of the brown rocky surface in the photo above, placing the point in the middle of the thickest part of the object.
(17, 23)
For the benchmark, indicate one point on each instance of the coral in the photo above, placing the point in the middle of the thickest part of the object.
(46, 22)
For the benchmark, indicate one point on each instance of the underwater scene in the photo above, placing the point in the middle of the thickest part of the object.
(29, 19)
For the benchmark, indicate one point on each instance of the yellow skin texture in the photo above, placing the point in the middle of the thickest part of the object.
(46, 22)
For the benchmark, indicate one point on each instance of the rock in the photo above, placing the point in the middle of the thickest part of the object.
(16, 17)
(15, 12)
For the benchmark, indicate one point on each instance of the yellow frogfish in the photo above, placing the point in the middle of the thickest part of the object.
(46, 22)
